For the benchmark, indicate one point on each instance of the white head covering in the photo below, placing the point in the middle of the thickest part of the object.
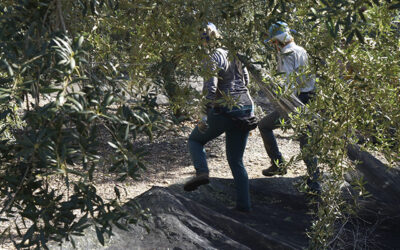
(279, 31)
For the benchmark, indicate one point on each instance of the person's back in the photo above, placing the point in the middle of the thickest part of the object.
(232, 80)
(294, 58)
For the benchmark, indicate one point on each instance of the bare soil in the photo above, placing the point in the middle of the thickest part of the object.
(168, 162)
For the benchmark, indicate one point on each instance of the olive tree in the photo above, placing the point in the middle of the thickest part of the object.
(56, 102)
(74, 70)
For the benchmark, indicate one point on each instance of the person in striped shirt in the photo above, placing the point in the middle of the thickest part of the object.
(229, 82)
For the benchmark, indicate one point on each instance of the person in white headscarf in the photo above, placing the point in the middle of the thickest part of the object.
(292, 58)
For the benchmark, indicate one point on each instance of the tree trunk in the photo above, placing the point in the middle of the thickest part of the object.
(60, 16)
(381, 181)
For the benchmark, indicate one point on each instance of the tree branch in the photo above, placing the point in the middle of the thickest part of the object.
(60, 16)
(383, 182)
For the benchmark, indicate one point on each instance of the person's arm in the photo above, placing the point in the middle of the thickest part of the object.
(287, 64)
(295, 62)
(217, 61)
(306, 82)
(210, 88)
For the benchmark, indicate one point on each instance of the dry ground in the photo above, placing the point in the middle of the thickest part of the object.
(168, 162)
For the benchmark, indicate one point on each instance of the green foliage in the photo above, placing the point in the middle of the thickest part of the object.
(356, 56)
(76, 73)
(55, 103)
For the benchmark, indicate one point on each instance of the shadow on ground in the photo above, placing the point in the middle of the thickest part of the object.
(203, 220)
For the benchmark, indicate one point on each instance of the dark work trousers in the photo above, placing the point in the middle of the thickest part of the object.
(271, 122)
(235, 145)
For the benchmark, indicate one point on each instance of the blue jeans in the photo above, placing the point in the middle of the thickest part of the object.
(271, 122)
(235, 144)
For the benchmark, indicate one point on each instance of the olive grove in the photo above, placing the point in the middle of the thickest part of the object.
(71, 71)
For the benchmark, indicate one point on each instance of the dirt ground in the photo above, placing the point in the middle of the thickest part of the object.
(168, 162)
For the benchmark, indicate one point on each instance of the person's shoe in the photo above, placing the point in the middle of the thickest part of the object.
(274, 170)
(195, 182)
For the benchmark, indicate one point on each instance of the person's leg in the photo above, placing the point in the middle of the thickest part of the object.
(311, 162)
(196, 143)
(266, 127)
(235, 145)
(309, 159)
(197, 140)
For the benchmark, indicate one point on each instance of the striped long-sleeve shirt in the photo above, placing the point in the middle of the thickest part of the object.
(232, 80)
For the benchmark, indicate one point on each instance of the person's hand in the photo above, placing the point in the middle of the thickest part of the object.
(203, 125)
